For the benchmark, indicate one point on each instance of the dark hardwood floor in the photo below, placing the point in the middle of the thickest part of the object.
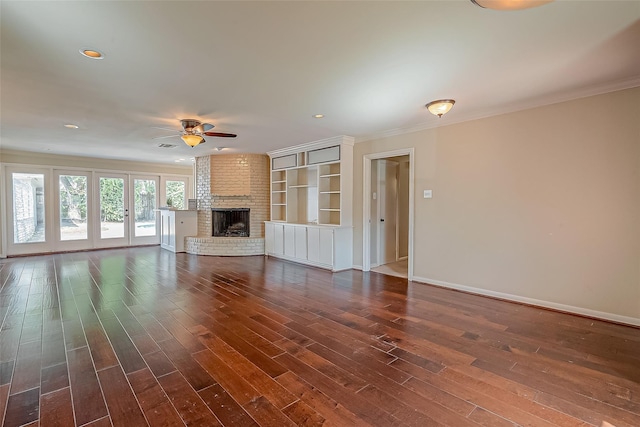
(131, 337)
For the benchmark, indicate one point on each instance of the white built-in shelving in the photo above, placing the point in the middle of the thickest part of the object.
(311, 187)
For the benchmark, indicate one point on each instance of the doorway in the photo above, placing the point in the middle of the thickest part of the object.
(388, 213)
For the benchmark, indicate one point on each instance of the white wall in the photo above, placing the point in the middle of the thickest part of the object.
(540, 205)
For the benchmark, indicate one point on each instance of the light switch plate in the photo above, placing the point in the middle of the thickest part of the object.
(428, 194)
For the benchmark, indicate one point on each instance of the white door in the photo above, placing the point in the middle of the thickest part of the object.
(387, 211)
(30, 227)
(74, 214)
(113, 207)
(289, 241)
(143, 217)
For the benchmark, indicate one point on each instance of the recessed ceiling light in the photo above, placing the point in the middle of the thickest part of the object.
(91, 53)
(510, 4)
(318, 116)
(178, 160)
(71, 126)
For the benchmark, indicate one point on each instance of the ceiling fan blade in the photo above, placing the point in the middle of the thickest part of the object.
(169, 129)
(168, 136)
(221, 134)
(203, 127)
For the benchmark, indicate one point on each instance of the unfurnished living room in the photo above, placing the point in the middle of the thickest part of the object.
(320, 213)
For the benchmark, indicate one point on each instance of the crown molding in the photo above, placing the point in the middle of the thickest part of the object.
(525, 105)
(323, 143)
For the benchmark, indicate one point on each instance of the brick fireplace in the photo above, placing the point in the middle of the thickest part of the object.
(231, 182)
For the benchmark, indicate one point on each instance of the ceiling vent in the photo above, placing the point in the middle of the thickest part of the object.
(167, 145)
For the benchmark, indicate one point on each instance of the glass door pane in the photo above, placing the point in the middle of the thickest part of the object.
(73, 207)
(113, 208)
(28, 208)
(144, 207)
(176, 194)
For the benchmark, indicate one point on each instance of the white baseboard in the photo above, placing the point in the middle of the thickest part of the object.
(532, 301)
(357, 267)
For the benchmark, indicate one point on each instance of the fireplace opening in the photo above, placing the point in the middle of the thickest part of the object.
(231, 222)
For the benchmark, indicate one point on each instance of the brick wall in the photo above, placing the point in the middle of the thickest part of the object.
(231, 181)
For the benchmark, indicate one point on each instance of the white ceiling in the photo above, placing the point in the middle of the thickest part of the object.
(262, 69)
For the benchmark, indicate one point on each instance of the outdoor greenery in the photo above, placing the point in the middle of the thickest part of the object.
(111, 200)
(145, 199)
(175, 193)
(73, 197)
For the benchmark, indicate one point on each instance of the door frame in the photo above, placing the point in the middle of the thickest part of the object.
(366, 205)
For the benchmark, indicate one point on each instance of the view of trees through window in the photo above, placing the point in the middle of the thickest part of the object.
(175, 194)
(145, 207)
(73, 207)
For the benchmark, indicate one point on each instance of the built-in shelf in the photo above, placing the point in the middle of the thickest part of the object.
(311, 190)
(303, 186)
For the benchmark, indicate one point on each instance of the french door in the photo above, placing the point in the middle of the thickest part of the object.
(143, 218)
(73, 199)
(52, 210)
(113, 210)
(29, 219)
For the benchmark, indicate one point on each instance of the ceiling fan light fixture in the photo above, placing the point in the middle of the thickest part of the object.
(192, 140)
(440, 106)
(509, 4)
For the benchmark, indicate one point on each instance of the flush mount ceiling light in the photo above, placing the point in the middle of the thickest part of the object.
(92, 53)
(509, 4)
(71, 126)
(192, 140)
(318, 116)
(440, 106)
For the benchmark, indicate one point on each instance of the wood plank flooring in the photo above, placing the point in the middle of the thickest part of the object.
(142, 336)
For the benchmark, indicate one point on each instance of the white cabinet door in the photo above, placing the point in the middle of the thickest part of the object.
(268, 238)
(289, 241)
(278, 239)
(301, 242)
(313, 244)
(326, 246)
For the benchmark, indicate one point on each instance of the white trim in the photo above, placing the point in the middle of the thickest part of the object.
(366, 210)
(3, 215)
(532, 301)
(328, 142)
(357, 267)
(524, 105)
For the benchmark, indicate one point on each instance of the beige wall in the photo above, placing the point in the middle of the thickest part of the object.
(543, 204)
